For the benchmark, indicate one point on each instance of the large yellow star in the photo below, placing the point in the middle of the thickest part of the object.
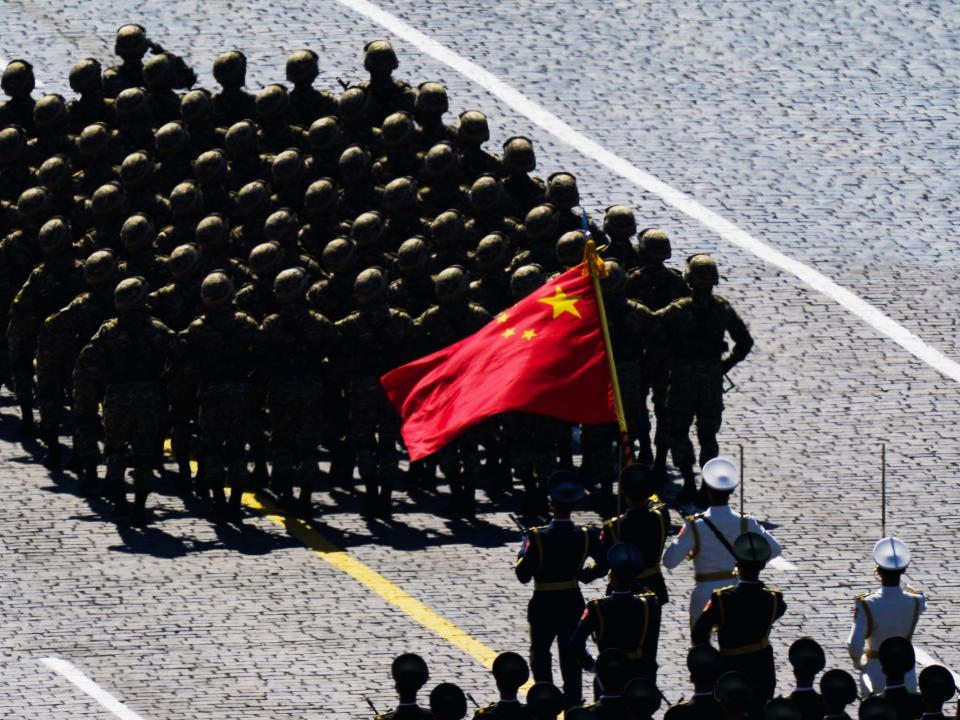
(529, 334)
(502, 317)
(562, 303)
(508, 332)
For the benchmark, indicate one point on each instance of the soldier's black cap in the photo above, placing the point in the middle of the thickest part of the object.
(625, 561)
(937, 684)
(704, 663)
(511, 669)
(838, 687)
(896, 655)
(751, 548)
(641, 698)
(637, 481)
(807, 656)
(409, 671)
(579, 713)
(447, 702)
(545, 701)
(734, 691)
(564, 487)
(876, 708)
(781, 709)
(613, 669)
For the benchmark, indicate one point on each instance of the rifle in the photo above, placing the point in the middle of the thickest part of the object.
(372, 706)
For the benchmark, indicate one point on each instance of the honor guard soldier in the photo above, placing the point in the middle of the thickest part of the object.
(890, 611)
(876, 708)
(838, 689)
(807, 659)
(447, 702)
(553, 556)
(743, 615)
(511, 672)
(642, 699)
(613, 673)
(897, 659)
(545, 701)
(781, 709)
(735, 695)
(705, 666)
(622, 619)
(937, 686)
(409, 673)
(707, 538)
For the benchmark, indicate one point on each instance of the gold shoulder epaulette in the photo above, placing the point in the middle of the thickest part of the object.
(694, 517)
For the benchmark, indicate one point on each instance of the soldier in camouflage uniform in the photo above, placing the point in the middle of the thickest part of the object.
(91, 106)
(385, 94)
(376, 338)
(126, 358)
(325, 143)
(523, 190)
(137, 236)
(130, 45)
(232, 104)
(273, 115)
(306, 102)
(17, 83)
(491, 289)
(321, 217)
(429, 108)
(413, 290)
(473, 131)
(331, 295)
(619, 225)
(449, 235)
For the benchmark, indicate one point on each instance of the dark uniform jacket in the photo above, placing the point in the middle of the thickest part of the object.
(647, 529)
(624, 621)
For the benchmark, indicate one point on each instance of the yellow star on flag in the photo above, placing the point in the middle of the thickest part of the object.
(502, 317)
(562, 303)
(529, 334)
(509, 332)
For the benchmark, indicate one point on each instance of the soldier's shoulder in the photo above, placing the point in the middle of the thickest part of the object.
(693, 518)
(726, 590)
(486, 711)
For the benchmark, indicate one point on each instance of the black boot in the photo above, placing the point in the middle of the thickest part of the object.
(54, 456)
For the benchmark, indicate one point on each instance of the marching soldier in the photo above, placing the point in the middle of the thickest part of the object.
(553, 556)
(613, 673)
(705, 666)
(707, 538)
(743, 615)
(735, 695)
(641, 698)
(891, 611)
(409, 673)
(511, 672)
(447, 702)
(897, 658)
(807, 659)
(838, 689)
(937, 686)
(545, 701)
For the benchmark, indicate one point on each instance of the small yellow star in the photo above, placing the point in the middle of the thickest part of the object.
(508, 332)
(529, 334)
(562, 303)
(502, 317)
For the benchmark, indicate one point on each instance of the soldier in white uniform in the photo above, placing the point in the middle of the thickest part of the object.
(891, 611)
(707, 538)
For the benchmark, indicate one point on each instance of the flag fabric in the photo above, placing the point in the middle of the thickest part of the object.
(545, 355)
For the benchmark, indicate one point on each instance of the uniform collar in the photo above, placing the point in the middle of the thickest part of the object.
(409, 704)
(753, 582)
(708, 693)
(504, 701)
(799, 689)
(554, 521)
(895, 686)
(609, 697)
(891, 590)
(622, 592)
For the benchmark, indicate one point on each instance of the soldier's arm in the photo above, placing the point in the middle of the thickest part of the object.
(651, 642)
(578, 641)
(858, 634)
(527, 558)
(681, 547)
(756, 527)
(742, 340)
(597, 552)
(700, 635)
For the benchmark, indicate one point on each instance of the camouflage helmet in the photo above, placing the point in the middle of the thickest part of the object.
(172, 139)
(34, 204)
(56, 172)
(486, 193)
(441, 160)
(17, 80)
(182, 260)
(287, 166)
(272, 102)
(210, 167)
(186, 199)
(701, 271)
(379, 57)
(99, 268)
(86, 76)
(303, 66)
(413, 255)
(13, 141)
(137, 232)
(397, 130)
(196, 107)
(264, 257)
(451, 284)
(473, 128)
(338, 255)
(131, 41)
(354, 164)
(324, 133)
(108, 200)
(253, 198)
(492, 251)
(526, 279)
(55, 234)
(570, 248)
(367, 229)
(241, 139)
(136, 170)
(230, 69)
(447, 228)
(399, 194)
(431, 100)
(655, 244)
(352, 103)
(541, 223)
(130, 294)
(370, 286)
(562, 190)
(50, 112)
(615, 280)
(94, 139)
(291, 285)
(320, 197)
(212, 232)
(281, 225)
(158, 72)
(518, 154)
(619, 221)
(131, 104)
(216, 290)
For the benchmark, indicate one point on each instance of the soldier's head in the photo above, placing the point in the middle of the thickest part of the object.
(211, 168)
(413, 257)
(253, 200)
(172, 140)
(86, 77)
(613, 670)
(510, 671)
(159, 73)
(130, 295)
(93, 141)
(409, 673)
(136, 171)
(655, 245)
(562, 190)
(339, 255)
(720, 479)
(132, 107)
(13, 144)
(541, 224)
(619, 223)
(892, 558)
(701, 274)
(625, 562)
(281, 227)
(486, 194)
(564, 491)
(379, 59)
(320, 198)
(272, 103)
(752, 551)
(196, 108)
(451, 285)
(937, 686)
(212, 233)
(441, 162)
(367, 229)
(108, 202)
(397, 132)
(182, 261)
(735, 692)
(324, 133)
(781, 709)
(100, 268)
(807, 659)
(876, 707)
(34, 206)
(704, 665)
(303, 66)
(400, 197)
(431, 103)
(353, 104)
(230, 70)
(131, 42)
(17, 80)
(137, 233)
(473, 129)
(290, 286)
(447, 702)
(56, 173)
(240, 141)
(287, 169)
(264, 260)
(186, 200)
(838, 689)
(370, 287)
(897, 658)
(447, 230)
(518, 155)
(642, 698)
(545, 701)
(526, 279)
(637, 483)
(354, 165)
(55, 236)
(492, 252)
(216, 290)
(50, 114)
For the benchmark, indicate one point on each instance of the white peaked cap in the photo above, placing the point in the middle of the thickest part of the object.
(721, 474)
(891, 554)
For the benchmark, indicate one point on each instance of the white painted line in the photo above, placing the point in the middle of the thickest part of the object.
(72, 673)
(926, 659)
(681, 201)
(781, 563)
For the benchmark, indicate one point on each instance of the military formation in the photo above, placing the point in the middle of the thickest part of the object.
(231, 271)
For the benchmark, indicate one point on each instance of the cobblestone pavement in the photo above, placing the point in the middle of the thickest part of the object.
(827, 129)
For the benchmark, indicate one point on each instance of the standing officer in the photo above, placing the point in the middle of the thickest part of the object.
(553, 556)
(707, 538)
(511, 672)
(891, 611)
(743, 615)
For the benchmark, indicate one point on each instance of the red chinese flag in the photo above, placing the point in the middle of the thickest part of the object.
(544, 355)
